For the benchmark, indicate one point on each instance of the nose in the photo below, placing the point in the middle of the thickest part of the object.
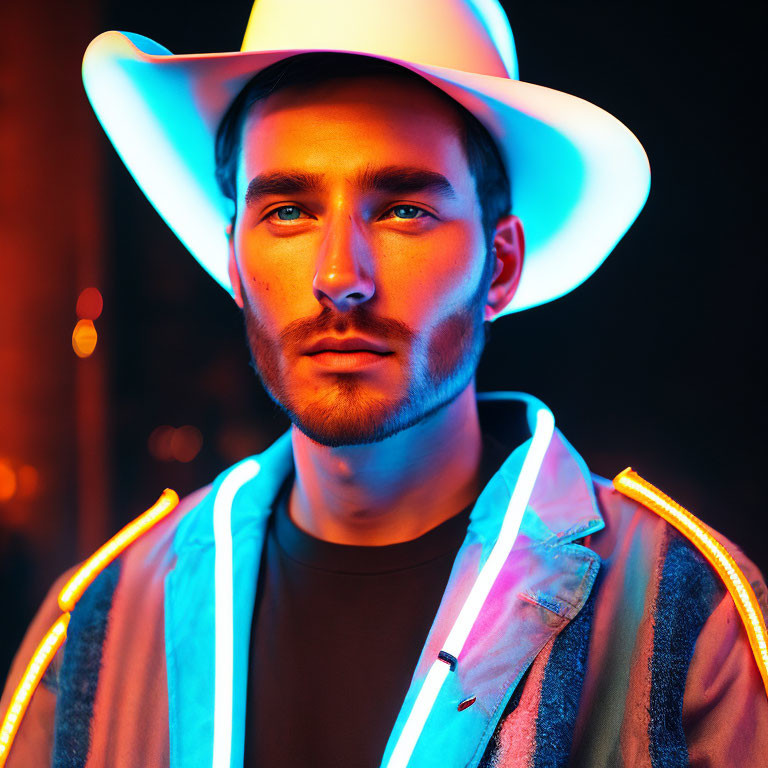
(344, 273)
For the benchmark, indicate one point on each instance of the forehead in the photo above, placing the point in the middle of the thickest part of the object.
(341, 125)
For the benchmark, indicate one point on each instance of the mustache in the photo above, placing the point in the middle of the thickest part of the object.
(299, 333)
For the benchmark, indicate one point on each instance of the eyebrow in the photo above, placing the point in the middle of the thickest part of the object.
(392, 179)
(282, 183)
(400, 179)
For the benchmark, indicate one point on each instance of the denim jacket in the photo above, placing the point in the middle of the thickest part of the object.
(603, 639)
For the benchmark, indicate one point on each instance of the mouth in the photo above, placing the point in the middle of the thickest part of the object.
(347, 354)
(348, 345)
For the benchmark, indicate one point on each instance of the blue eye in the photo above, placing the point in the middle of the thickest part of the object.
(406, 211)
(288, 212)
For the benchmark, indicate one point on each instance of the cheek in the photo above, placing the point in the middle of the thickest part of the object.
(277, 287)
(449, 343)
(435, 277)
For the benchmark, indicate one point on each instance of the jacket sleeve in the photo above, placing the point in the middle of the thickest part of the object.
(725, 706)
(32, 746)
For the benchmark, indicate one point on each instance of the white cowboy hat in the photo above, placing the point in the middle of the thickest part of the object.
(579, 176)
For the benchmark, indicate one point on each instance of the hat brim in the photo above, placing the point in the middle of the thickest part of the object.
(579, 176)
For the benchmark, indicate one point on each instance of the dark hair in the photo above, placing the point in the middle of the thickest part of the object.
(308, 69)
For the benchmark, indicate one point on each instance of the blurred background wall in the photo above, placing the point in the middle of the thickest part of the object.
(654, 362)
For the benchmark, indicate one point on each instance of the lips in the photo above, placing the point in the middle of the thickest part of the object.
(349, 344)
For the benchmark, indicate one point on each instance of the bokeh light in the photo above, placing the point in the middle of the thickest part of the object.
(89, 304)
(8, 481)
(159, 443)
(168, 443)
(84, 338)
(186, 443)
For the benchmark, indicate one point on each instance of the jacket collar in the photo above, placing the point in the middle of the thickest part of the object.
(542, 586)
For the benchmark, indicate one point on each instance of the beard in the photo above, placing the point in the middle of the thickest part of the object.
(345, 411)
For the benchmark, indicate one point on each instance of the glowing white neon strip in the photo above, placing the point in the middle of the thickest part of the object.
(224, 610)
(634, 486)
(414, 725)
(29, 682)
(425, 700)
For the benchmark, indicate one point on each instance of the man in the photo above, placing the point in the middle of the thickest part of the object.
(412, 575)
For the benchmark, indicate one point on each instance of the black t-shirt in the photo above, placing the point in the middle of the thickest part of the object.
(337, 632)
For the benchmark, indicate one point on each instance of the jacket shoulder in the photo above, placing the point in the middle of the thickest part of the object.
(627, 516)
(153, 550)
(144, 543)
(638, 512)
(31, 692)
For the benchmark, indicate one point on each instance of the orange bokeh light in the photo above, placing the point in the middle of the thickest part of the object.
(8, 481)
(84, 338)
(168, 443)
(186, 443)
(159, 443)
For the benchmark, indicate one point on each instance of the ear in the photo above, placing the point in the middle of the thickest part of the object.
(234, 272)
(509, 249)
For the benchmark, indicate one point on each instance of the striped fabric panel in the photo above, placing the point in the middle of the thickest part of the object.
(681, 595)
(686, 596)
(538, 733)
(537, 727)
(514, 742)
(561, 690)
(79, 674)
(634, 748)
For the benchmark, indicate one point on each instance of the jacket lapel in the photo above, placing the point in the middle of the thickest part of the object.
(543, 585)
(190, 610)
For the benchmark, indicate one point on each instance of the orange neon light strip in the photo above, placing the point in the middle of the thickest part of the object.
(29, 681)
(632, 485)
(103, 556)
(68, 596)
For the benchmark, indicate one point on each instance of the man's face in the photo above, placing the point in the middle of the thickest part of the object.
(358, 256)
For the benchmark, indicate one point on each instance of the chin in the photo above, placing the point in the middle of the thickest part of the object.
(349, 416)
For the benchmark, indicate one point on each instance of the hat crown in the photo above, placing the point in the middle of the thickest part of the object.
(468, 35)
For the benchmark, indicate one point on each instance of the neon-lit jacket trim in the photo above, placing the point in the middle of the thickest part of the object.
(68, 597)
(634, 486)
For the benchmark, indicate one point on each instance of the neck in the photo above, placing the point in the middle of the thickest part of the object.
(393, 490)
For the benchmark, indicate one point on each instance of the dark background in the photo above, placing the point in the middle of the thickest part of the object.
(655, 362)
